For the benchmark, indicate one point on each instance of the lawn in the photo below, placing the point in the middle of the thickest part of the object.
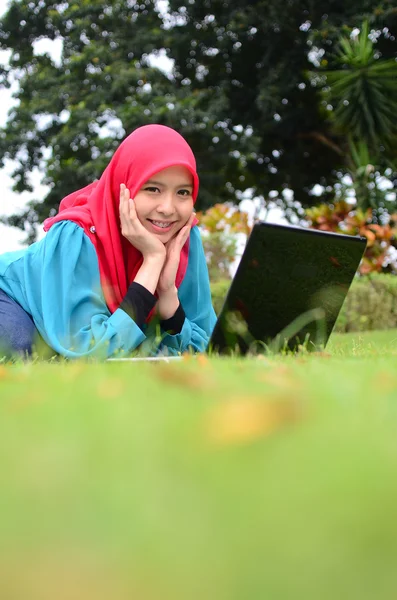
(205, 479)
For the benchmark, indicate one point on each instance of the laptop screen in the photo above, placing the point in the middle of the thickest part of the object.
(290, 281)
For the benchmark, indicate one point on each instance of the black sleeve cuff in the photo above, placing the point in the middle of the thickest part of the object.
(138, 302)
(174, 324)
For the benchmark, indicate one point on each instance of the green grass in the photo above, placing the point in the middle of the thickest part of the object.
(216, 479)
(367, 343)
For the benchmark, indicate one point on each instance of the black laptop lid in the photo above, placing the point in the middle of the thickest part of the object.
(291, 283)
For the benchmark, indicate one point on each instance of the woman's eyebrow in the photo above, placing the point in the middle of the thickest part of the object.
(154, 182)
(185, 185)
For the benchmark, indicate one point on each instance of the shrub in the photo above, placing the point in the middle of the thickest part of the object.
(220, 225)
(370, 304)
(219, 290)
(341, 218)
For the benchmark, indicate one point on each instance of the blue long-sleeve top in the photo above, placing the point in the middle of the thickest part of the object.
(57, 282)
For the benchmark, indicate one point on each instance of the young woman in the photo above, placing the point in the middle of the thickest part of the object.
(122, 264)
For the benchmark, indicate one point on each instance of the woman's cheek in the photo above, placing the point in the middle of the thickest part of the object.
(188, 212)
(139, 209)
(179, 227)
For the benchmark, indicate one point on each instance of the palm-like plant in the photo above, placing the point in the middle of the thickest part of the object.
(363, 93)
(364, 171)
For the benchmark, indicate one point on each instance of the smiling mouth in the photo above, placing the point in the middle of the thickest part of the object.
(161, 224)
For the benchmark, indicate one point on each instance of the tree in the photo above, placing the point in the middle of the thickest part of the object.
(256, 54)
(237, 90)
(361, 100)
(362, 92)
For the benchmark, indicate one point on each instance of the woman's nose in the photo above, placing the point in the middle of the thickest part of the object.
(166, 204)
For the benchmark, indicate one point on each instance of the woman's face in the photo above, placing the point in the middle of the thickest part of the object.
(164, 203)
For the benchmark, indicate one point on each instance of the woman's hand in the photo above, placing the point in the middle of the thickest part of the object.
(166, 289)
(133, 230)
(173, 248)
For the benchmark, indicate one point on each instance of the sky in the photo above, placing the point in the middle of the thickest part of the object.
(10, 202)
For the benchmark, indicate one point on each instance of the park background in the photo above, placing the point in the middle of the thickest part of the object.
(289, 107)
(226, 479)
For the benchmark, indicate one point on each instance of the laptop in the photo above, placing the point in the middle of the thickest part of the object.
(287, 292)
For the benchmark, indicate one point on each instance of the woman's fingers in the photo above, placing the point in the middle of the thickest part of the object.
(130, 224)
(185, 231)
(121, 196)
(124, 197)
(127, 206)
(132, 210)
(185, 234)
(175, 245)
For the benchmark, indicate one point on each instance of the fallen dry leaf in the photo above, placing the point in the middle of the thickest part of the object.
(28, 399)
(202, 360)
(321, 354)
(183, 376)
(111, 388)
(4, 372)
(73, 371)
(65, 575)
(244, 419)
(385, 382)
(280, 377)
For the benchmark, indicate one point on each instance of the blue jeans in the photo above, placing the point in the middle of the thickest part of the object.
(17, 330)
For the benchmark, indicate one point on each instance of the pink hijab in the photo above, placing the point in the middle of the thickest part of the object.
(148, 150)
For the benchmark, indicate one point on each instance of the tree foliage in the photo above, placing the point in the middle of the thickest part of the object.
(237, 91)
(363, 92)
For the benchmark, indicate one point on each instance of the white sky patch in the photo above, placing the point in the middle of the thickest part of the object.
(11, 203)
(162, 6)
(317, 190)
(161, 61)
(4, 56)
(384, 183)
(53, 48)
(315, 55)
(113, 128)
(3, 6)
(43, 121)
(64, 115)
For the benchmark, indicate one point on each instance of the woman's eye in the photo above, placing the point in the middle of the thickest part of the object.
(184, 193)
(151, 189)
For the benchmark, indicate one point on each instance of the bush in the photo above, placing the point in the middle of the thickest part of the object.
(381, 238)
(221, 225)
(370, 304)
(219, 290)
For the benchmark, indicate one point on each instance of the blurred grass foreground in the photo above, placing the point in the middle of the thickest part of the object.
(216, 479)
